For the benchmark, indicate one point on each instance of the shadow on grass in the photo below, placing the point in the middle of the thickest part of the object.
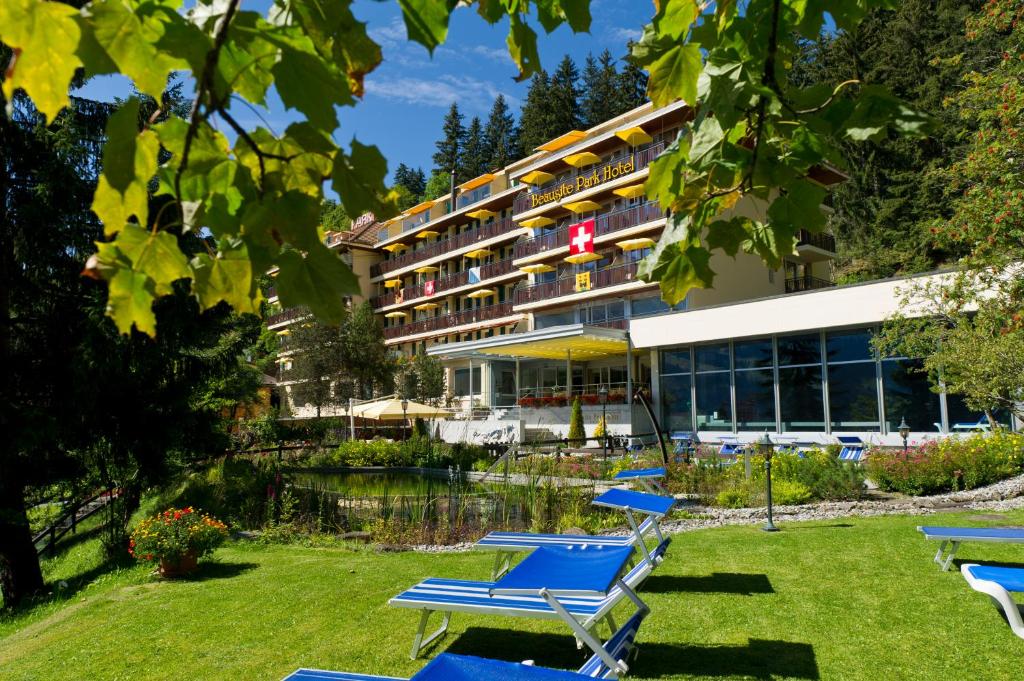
(715, 583)
(69, 541)
(957, 562)
(818, 527)
(758, 659)
(217, 570)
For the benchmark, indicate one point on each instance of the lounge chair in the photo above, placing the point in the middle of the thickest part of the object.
(650, 478)
(654, 507)
(731, 447)
(458, 667)
(852, 448)
(579, 586)
(953, 536)
(998, 582)
(981, 425)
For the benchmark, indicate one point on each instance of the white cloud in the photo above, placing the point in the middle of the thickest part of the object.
(389, 35)
(624, 35)
(474, 96)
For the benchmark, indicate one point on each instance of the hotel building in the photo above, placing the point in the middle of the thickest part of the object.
(524, 283)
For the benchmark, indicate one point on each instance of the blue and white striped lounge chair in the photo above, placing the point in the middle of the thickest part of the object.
(852, 448)
(982, 424)
(653, 507)
(685, 443)
(953, 536)
(462, 667)
(999, 582)
(731, 446)
(579, 586)
(650, 478)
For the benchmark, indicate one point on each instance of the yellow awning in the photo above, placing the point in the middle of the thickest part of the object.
(534, 223)
(584, 158)
(562, 141)
(394, 248)
(396, 314)
(286, 332)
(392, 283)
(537, 268)
(583, 206)
(580, 258)
(580, 348)
(634, 136)
(482, 293)
(481, 214)
(631, 192)
(426, 234)
(419, 208)
(635, 244)
(476, 182)
(479, 253)
(425, 306)
(536, 177)
(427, 269)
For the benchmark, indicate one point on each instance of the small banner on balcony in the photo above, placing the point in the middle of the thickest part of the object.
(583, 281)
(428, 288)
(581, 237)
(474, 275)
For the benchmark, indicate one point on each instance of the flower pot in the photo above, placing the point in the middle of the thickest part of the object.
(185, 565)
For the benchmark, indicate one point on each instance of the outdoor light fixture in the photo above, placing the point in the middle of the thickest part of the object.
(904, 433)
(602, 396)
(766, 447)
(405, 418)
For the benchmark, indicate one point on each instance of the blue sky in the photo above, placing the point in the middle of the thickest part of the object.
(409, 93)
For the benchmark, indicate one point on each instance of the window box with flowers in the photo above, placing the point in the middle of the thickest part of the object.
(176, 539)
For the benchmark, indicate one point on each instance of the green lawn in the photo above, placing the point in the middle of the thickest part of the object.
(848, 599)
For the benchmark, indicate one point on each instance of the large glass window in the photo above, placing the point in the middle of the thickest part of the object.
(908, 395)
(962, 415)
(801, 396)
(852, 381)
(460, 382)
(714, 394)
(675, 361)
(755, 385)
(676, 402)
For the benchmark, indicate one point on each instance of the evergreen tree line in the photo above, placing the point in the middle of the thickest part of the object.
(566, 100)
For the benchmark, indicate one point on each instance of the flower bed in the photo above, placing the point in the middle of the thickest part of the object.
(175, 535)
(948, 465)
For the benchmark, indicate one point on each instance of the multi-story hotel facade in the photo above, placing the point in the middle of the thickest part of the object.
(523, 282)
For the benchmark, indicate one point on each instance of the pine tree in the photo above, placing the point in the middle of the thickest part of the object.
(565, 98)
(418, 182)
(474, 153)
(317, 363)
(631, 85)
(429, 378)
(367, 361)
(536, 122)
(500, 135)
(413, 180)
(450, 147)
(600, 97)
(577, 435)
(403, 173)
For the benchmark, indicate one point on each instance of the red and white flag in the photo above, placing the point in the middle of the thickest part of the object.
(581, 237)
(428, 288)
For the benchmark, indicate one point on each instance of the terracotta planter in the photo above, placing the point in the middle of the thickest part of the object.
(185, 565)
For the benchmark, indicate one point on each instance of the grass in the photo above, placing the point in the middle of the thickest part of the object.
(851, 599)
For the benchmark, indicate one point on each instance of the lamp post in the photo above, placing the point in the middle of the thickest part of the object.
(765, 445)
(405, 418)
(904, 433)
(602, 396)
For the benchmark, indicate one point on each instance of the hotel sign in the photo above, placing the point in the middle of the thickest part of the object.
(581, 182)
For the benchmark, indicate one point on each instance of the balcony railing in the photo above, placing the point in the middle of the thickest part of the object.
(452, 281)
(450, 244)
(450, 321)
(825, 242)
(797, 284)
(603, 224)
(611, 276)
(642, 157)
(287, 315)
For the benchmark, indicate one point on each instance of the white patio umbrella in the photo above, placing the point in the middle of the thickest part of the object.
(390, 409)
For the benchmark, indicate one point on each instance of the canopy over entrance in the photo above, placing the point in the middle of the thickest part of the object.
(578, 341)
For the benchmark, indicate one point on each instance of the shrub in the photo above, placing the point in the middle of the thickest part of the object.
(600, 430)
(577, 435)
(174, 533)
(789, 492)
(948, 465)
(736, 497)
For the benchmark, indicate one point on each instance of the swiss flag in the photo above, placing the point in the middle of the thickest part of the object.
(581, 237)
(428, 288)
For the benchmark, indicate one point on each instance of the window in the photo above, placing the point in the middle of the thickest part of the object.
(676, 396)
(640, 307)
(460, 382)
(714, 394)
(755, 385)
(544, 321)
(801, 396)
(908, 396)
(852, 381)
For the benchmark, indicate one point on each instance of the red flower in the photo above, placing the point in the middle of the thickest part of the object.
(177, 515)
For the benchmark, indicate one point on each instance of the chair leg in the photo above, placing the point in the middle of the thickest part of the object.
(612, 628)
(945, 562)
(418, 643)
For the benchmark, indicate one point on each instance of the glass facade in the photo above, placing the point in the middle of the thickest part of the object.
(808, 382)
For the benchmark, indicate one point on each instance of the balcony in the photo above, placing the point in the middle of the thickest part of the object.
(825, 242)
(797, 284)
(450, 244)
(443, 323)
(603, 224)
(566, 286)
(287, 316)
(642, 157)
(452, 281)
